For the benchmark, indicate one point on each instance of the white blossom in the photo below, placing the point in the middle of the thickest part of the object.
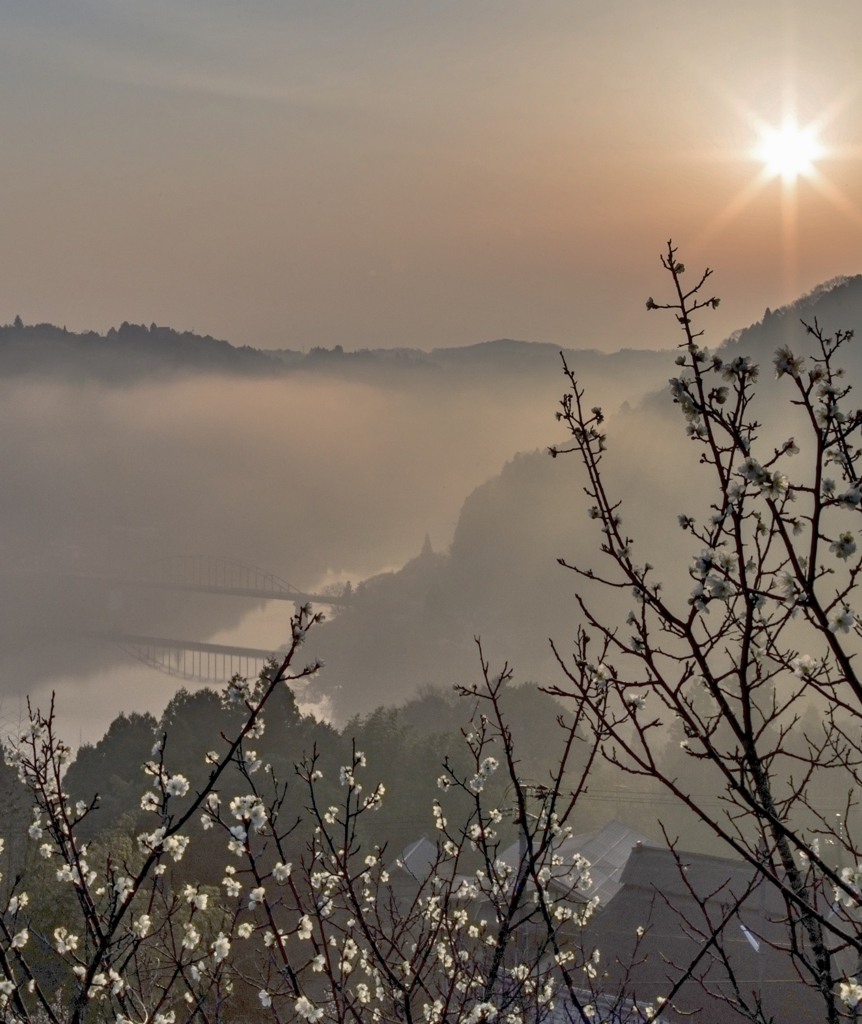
(804, 666)
(842, 621)
(850, 992)
(433, 1012)
(64, 942)
(177, 785)
(786, 362)
(281, 872)
(844, 547)
(307, 1010)
(176, 846)
(150, 802)
(232, 886)
(481, 1012)
(123, 887)
(191, 936)
(221, 947)
(198, 899)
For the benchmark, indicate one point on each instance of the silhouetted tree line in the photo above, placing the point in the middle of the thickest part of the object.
(123, 353)
(408, 744)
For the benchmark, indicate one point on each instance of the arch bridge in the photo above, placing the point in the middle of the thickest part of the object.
(192, 660)
(225, 576)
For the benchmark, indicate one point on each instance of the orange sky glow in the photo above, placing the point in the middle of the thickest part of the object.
(421, 174)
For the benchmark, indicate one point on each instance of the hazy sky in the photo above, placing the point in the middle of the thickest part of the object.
(408, 172)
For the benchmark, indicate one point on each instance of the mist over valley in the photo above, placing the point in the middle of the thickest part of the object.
(420, 477)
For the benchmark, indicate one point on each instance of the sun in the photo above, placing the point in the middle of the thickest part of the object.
(789, 152)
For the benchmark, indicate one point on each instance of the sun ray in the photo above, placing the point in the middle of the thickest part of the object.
(829, 192)
(730, 211)
(787, 149)
(790, 233)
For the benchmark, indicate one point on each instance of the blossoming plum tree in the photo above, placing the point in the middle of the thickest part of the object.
(331, 936)
(765, 634)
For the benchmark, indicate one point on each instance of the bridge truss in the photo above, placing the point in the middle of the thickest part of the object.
(190, 660)
(223, 576)
(204, 662)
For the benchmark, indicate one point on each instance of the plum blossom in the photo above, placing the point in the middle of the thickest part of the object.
(251, 809)
(124, 887)
(150, 802)
(176, 846)
(804, 666)
(844, 547)
(191, 936)
(233, 886)
(374, 801)
(221, 947)
(439, 820)
(177, 785)
(786, 362)
(198, 899)
(281, 872)
(843, 621)
(481, 1011)
(719, 588)
(152, 841)
(64, 942)
(772, 484)
(850, 992)
(307, 1010)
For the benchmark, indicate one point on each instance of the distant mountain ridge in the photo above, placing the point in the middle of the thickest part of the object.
(836, 304)
(133, 352)
(123, 354)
